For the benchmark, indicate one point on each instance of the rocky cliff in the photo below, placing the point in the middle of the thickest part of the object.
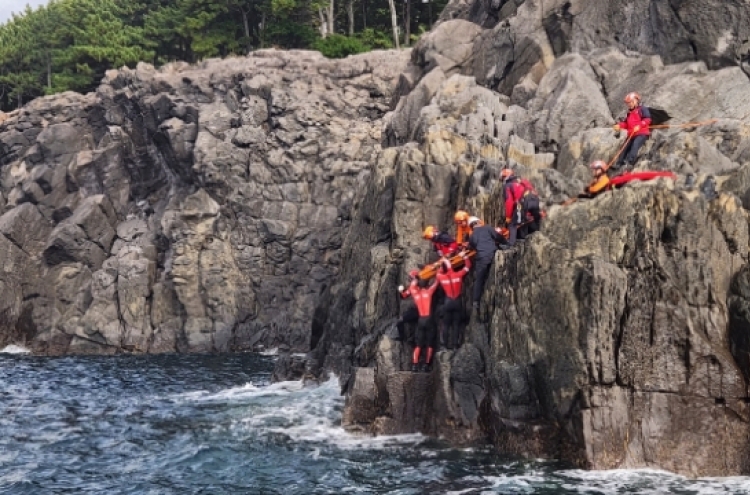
(193, 208)
(616, 337)
(278, 200)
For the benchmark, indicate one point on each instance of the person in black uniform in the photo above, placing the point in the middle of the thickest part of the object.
(484, 240)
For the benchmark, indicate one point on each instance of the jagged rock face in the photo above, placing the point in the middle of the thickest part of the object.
(616, 321)
(614, 338)
(714, 31)
(186, 209)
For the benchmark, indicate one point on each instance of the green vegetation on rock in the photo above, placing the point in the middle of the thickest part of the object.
(69, 44)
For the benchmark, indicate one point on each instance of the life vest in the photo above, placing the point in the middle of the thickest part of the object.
(598, 185)
(462, 234)
(423, 299)
(452, 280)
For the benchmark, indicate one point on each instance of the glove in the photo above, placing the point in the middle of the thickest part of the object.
(616, 127)
(401, 288)
(636, 129)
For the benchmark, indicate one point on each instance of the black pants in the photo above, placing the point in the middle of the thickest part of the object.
(410, 316)
(630, 154)
(532, 219)
(425, 332)
(452, 316)
(481, 272)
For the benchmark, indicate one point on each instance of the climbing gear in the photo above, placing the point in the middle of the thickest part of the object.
(631, 97)
(506, 174)
(472, 221)
(658, 116)
(526, 203)
(460, 216)
(619, 152)
(429, 232)
(686, 125)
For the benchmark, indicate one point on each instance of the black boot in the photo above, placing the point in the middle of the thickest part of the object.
(414, 368)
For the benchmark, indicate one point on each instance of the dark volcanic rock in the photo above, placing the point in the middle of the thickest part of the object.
(192, 208)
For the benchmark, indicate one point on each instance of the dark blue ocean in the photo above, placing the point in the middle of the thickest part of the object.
(216, 425)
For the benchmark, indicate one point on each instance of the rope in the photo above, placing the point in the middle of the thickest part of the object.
(661, 126)
(684, 126)
(612, 162)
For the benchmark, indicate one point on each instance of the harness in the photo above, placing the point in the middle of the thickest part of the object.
(519, 201)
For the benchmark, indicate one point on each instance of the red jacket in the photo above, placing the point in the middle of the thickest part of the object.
(423, 298)
(411, 290)
(514, 191)
(444, 244)
(452, 280)
(639, 116)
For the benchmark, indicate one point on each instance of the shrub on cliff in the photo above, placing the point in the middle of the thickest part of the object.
(340, 46)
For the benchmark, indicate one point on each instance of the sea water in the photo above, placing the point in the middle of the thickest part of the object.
(183, 424)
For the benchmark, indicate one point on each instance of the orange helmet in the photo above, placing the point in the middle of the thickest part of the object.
(506, 173)
(429, 232)
(631, 97)
(598, 164)
(460, 216)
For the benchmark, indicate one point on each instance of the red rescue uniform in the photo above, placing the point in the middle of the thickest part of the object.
(452, 280)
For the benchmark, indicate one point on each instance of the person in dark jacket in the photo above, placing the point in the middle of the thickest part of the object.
(484, 240)
(636, 124)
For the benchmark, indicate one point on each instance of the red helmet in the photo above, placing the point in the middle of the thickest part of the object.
(414, 273)
(598, 164)
(632, 97)
(506, 173)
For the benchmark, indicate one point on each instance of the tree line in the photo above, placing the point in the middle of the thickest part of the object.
(69, 44)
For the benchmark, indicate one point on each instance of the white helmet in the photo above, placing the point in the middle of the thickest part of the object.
(472, 221)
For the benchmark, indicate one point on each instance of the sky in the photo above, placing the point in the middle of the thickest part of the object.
(8, 6)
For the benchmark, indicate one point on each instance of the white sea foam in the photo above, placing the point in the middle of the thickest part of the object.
(311, 414)
(302, 413)
(14, 349)
(647, 482)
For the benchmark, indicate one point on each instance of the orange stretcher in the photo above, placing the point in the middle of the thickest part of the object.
(457, 262)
